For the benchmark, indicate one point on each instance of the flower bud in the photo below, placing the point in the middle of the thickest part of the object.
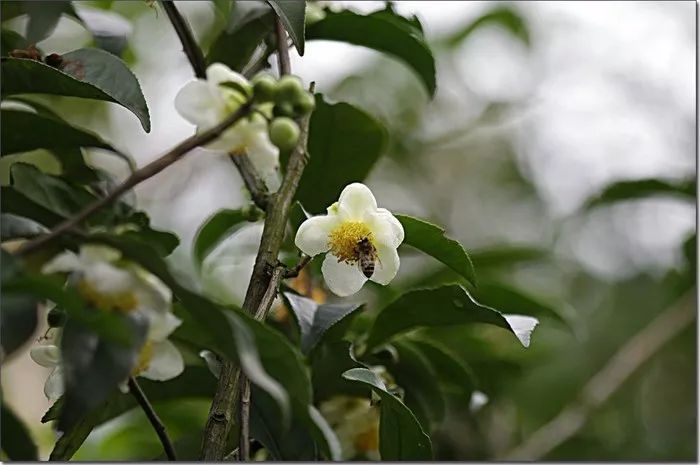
(289, 88)
(305, 104)
(284, 133)
(264, 87)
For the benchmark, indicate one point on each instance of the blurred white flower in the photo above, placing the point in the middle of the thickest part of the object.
(205, 103)
(361, 238)
(356, 423)
(477, 401)
(110, 284)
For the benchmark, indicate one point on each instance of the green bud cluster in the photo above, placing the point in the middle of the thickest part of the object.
(290, 101)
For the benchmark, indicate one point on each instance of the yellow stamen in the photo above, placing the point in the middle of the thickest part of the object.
(145, 357)
(343, 240)
(122, 301)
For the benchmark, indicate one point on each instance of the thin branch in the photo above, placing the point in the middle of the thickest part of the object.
(157, 424)
(282, 48)
(189, 44)
(244, 421)
(227, 391)
(256, 186)
(294, 272)
(607, 381)
(232, 456)
(137, 177)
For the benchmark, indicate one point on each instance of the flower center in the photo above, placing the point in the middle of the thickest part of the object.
(343, 240)
(121, 301)
(145, 357)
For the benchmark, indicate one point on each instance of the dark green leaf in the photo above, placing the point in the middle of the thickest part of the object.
(16, 440)
(10, 40)
(44, 16)
(316, 319)
(216, 228)
(250, 23)
(383, 31)
(93, 367)
(400, 435)
(12, 201)
(18, 318)
(18, 227)
(329, 362)
(87, 73)
(344, 144)
(46, 133)
(507, 255)
(450, 369)
(511, 300)
(431, 240)
(643, 188)
(442, 306)
(506, 17)
(292, 13)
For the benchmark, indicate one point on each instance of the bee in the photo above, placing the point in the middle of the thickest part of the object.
(366, 256)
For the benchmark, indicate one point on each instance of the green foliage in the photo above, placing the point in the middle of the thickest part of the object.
(344, 144)
(504, 16)
(383, 31)
(44, 16)
(400, 435)
(18, 311)
(642, 188)
(292, 13)
(86, 73)
(17, 442)
(431, 239)
(216, 228)
(17, 227)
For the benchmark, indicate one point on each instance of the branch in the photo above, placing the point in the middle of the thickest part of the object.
(294, 272)
(282, 47)
(227, 391)
(157, 424)
(256, 186)
(137, 177)
(189, 44)
(603, 384)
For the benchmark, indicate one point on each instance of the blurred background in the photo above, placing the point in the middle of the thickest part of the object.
(537, 111)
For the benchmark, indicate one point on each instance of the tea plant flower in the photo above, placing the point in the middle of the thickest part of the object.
(205, 103)
(353, 234)
(356, 423)
(108, 283)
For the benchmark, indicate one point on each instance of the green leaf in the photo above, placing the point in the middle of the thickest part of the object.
(344, 144)
(249, 24)
(10, 40)
(18, 227)
(431, 240)
(512, 300)
(93, 367)
(216, 228)
(400, 435)
(505, 255)
(86, 73)
(643, 188)
(292, 13)
(442, 306)
(506, 17)
(316, 319)
(18, 310)
(16, 440)
(383, 31)
(328, 363)
(46, 133)
(450, 369)
(194, 382)
(12, 201)
(44, 16)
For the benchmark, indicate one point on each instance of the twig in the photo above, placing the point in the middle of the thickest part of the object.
(184, 33)
(232, 456)
(294, 272)
(157, 424)
(603, 384)
(227, 390)
(244, 421)
(256, 186)
(282, 48)
(137, 177)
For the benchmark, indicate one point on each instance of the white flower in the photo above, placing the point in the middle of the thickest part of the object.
(205, 103)
(105, 281)
(353, 219)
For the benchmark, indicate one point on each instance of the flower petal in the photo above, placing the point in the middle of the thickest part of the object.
(199, 104)
(356, 201)
(65, 261)
(98, 253)
(162, 325)
(53, 388)
(312, 235)
(109, 279)
(47, 356)
(218, 73)
(386, 228)
(387, 266)
(167, 362)
(343, 279)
